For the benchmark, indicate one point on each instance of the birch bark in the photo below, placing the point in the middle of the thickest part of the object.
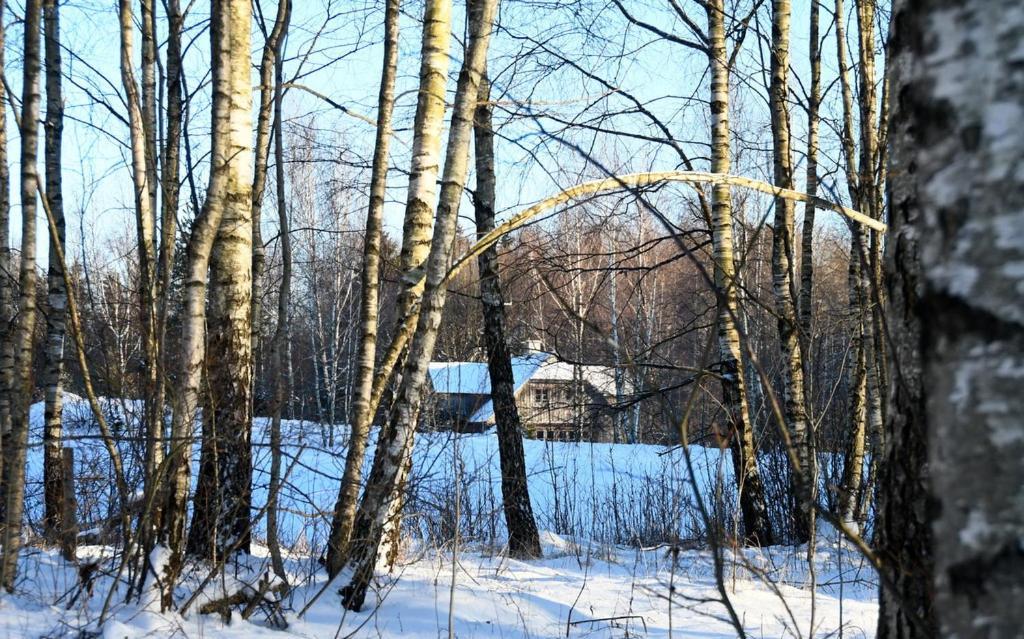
(757, 528)
(15, 447)
(230, 185)
(6, 269)
(279, 348)
(145, 223)
(422, 192)
(783, 279)
(348, 493)
(170, 191)
(805, 308)
(951, 515)
(223, 500)
(428, 124)
(264, 115)
(857, 362)
(381, 501)
(57, 294)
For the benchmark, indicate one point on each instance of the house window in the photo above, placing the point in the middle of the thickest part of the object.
(540, 396)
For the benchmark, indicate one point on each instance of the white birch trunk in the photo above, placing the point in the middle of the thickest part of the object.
(783, 278)
(230, 176)
(348, 492)
(391, 462)
(57, 297)
(223, 500)
(757, 528)
(15, 447)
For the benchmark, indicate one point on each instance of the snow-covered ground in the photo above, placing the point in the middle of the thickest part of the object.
(583, 591)
(611, 514)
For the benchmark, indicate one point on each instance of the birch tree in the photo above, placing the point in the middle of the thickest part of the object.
(170, 190)
(870, 185)
(757, 528)
(348, 492)
(15, 447)
(145, 226)
(57, 297)
(261, 152)
(381, 501)
(422, 190)
(783, 276)
(805, 306)
(223, 500)
(278, 346)
(735, 402)
(860, 156)
(6, 268)
(951, 515)
(230, 185)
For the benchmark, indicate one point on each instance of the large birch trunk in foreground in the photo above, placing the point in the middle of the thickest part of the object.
(952, 517)
(757, 528)
(57, 294)
(223, 500)
(15, 447)
(381, 502)
(523, 539)
(348, 493)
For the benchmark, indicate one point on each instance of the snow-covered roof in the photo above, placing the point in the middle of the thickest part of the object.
(472, 378)
(600, 377)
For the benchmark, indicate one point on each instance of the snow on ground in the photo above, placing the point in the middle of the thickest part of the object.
(610, 512)
(589, 592)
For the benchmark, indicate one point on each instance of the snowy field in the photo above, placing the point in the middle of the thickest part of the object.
(611, 516)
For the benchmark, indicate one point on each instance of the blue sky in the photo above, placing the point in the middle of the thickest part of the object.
(334, 47)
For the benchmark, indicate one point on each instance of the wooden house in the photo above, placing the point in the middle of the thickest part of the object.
(557, 400)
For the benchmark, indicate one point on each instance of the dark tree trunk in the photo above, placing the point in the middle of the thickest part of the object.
(523, 540)
(279, 345)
